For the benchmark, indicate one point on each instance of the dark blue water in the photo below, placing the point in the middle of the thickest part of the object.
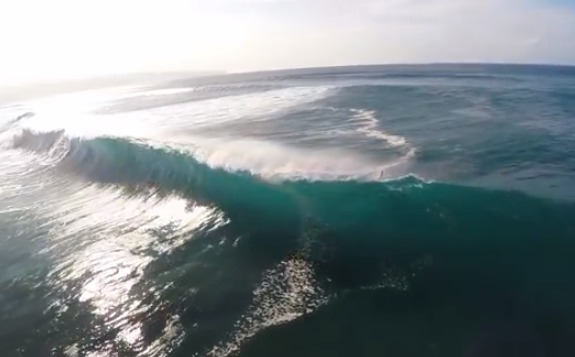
(383, 210)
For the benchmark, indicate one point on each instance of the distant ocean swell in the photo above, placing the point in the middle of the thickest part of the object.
(318, 241)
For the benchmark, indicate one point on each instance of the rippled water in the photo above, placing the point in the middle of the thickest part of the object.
(405, 211)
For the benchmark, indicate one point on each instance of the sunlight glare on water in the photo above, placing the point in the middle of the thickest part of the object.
(104, 253)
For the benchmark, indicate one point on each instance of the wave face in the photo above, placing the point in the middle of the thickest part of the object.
(324, 225)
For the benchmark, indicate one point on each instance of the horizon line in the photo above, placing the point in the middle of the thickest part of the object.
(194, 74)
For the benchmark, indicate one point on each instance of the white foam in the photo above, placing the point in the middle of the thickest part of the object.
(368, 126)
(162, 125)
(253, 106)
(74, 113)
(276, 161)
(286, 292)
(290, 290)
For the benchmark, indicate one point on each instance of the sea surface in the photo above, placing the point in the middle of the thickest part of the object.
(397, 211)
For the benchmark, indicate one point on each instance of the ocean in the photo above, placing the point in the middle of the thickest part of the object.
(397, 211)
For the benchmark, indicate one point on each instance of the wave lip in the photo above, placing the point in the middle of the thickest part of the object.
(140, 166)
(119, 161)
(263, 159)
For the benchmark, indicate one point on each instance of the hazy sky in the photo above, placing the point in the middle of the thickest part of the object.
(42, 39)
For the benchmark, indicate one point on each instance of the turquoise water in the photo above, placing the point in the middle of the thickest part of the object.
(397, 211)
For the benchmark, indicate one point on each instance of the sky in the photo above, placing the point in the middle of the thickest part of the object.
(53, 39)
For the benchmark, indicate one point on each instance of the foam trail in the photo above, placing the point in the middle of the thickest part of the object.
(286, 292)
(368, 122)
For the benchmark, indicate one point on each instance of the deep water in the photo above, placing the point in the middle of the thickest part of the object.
(390, 210)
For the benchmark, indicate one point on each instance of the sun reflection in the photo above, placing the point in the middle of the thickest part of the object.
(76, 113)
(106, 241)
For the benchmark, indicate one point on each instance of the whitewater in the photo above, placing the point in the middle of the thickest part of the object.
(381, 210)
